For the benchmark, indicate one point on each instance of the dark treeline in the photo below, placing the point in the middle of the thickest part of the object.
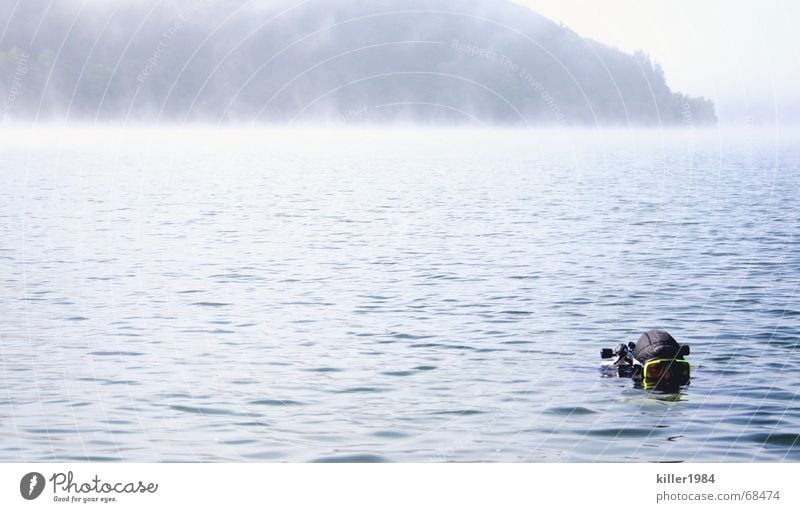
(485, 61)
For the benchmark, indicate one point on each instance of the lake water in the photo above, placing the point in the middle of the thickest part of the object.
(394, 295)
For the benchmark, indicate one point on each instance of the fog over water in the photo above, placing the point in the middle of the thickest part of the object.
(144, 59)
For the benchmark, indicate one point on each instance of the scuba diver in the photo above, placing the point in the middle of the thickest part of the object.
(656, 361)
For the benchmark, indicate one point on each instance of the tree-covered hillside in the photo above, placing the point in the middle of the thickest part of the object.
(480, 61)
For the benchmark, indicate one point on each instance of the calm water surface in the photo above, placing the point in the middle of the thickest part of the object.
(311, 295)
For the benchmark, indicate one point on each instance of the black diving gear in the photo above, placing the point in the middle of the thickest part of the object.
(656, 361)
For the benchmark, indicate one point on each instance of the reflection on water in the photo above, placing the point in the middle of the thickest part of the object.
(388, 296)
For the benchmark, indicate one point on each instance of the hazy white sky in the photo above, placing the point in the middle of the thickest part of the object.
(743, 54)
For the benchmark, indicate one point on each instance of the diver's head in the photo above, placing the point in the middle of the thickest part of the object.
(662, 360)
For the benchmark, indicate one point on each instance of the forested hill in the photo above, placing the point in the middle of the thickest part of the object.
(449, 61)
